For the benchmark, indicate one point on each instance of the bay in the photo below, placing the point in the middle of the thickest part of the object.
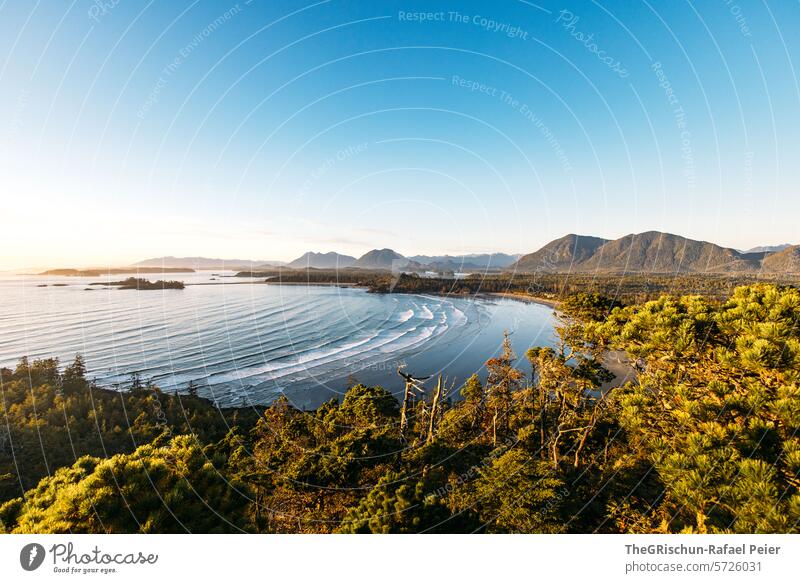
(247, 342)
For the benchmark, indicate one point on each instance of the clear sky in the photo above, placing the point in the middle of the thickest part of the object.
(264, 129)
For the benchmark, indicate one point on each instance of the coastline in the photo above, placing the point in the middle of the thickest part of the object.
(520, 297)
(528, 299)
(515, 296)
(312, 283)
(261, 282)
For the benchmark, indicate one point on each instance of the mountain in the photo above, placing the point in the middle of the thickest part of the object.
(322, 261)
(203, 263)
(382, 259)
(768, 248)
(563, 254)
(462, 262)
(657, 252)
(785, 261)
(653, 252)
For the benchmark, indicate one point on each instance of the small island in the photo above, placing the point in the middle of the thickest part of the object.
(142, 284)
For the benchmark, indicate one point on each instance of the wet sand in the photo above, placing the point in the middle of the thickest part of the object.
(524, 298)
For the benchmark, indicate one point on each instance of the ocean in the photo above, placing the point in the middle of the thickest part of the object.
(245, 342)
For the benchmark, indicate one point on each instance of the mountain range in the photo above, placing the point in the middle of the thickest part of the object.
(464, 262)
(653, 252)
(388, 259)
(204, 263)
(649, 252)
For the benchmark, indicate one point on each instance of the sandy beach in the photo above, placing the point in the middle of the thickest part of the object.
(524, 298)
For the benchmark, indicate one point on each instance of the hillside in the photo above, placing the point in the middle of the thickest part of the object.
(786, 261)
(563, 254)
(322, 261)
(653, 252)
(658, 252)
(382, 259)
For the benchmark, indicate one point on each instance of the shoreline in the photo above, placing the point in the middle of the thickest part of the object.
(520, 297)
(525, 298)
(262, 282)
(515, 296)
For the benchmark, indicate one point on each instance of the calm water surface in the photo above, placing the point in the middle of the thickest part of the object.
(250, 342)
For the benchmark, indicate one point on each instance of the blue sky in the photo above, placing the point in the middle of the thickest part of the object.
(266, 129)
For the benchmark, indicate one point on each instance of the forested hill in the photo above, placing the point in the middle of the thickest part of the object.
(385, 259)
(785, 261)
(705, 440)
(322, 261)
(561, 255)
(652, 252)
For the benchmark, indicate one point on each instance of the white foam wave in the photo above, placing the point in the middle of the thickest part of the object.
(459, 318)
(405, 316)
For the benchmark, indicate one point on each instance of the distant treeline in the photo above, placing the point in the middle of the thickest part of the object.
(143, 284)
(349, 276)
(631, 288)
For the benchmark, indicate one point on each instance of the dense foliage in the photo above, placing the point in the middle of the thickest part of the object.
(143, 284)
(50, 418)
(703, 440)
(156, 489)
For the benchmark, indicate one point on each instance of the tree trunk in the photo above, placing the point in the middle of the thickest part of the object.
(555, 448)
(434, 408)
(581, 443)
(404, 412)
(584, 437)
(542, 422)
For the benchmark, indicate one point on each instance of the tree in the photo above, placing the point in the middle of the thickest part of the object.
(191, 389)
(502, 381)
(398, 505)
(74, 378)
(516, 493)
(169, 488)
(45, 428)
(717, 408)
